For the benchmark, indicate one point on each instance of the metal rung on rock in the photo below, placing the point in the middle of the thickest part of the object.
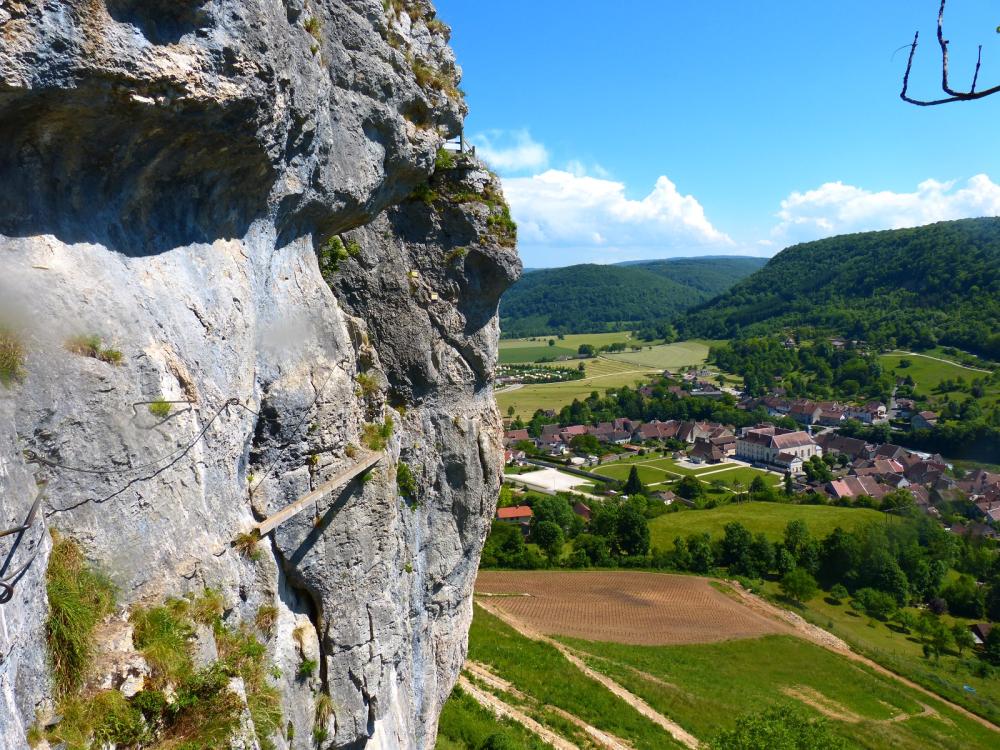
(272, 522)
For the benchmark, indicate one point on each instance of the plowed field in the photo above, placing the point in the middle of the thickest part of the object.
(649, 609)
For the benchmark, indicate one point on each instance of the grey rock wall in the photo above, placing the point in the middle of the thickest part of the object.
(170, 170)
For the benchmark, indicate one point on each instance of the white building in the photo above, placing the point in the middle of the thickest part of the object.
(786, 449)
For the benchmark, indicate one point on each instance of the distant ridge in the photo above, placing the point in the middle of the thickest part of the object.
(917, 287)
(590, 297)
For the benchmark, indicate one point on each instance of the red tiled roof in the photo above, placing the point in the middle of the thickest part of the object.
(515, 511)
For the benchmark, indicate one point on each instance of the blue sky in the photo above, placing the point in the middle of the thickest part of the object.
(646, 129)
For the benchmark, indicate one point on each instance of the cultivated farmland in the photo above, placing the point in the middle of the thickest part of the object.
(720, 657)
(601, 374)
(638, 608)
(668, 356)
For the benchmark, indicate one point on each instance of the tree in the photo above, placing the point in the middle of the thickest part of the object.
(964, 597)
(699, 548)
(991, 647)
(557, 510)
(797, 536)
(761, 558)
(778, 728)
(552, 342)
(906, 620)
(784, 561)
(634, 485)
(690, 488)
(993, 599)
(951, 94)
(839, 593)
(633, 531)
(585, 444)
(595, 548)
(962, 637)
(549, 537)
(585, 350)
(839, 558)
(736, 544)
(874, 603)
(798, 585)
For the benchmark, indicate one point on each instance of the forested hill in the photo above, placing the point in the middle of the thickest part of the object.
(934, 284)
(588, 298)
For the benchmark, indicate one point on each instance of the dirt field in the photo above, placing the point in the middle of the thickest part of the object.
(639, 608)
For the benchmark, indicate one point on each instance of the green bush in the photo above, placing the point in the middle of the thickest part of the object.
(313, 27)
(160, 408)
(368, 384)
(502, 227)
(307, 668)
(11, 357)
(79, 598)
(375, 436)
(405, 481)
(444, 160)
(331, 254)
(778, 728)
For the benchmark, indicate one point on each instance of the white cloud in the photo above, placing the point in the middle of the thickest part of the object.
(510, 151)
(836, 208)
(566, 218)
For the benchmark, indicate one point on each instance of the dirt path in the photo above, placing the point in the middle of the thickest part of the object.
(604, 740)
(820, 637)
(507, 711)
(673, 728)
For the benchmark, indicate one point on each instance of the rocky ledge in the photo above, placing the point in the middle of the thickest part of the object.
(235, 263)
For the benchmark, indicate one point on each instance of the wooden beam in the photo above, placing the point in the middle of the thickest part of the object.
(272, 522)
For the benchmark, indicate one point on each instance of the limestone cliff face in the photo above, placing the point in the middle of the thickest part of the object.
(171, 172)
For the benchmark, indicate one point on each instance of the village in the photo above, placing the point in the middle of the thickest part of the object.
(812, 460)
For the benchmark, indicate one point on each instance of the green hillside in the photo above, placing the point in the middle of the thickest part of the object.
(912, 288)
(586, 298)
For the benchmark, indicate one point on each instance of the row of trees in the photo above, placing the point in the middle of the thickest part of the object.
(660, 404)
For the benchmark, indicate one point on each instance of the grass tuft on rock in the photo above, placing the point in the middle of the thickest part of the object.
(376, 436)
(91, 346)
(160, 408)
(11, 357)
(79, 598)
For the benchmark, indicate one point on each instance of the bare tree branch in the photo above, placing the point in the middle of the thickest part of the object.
(953, 95)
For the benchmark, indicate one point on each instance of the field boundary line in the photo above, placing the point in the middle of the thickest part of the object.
(674, 729)
(504, 710)
(815, 634)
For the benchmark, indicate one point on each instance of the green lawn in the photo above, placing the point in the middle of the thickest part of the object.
(648, 474)
(655, 470)
(706, 687)
(769, 518)
(668, 356)
(744, 475)
(903, 653)
(540, 671)
(927, 373)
